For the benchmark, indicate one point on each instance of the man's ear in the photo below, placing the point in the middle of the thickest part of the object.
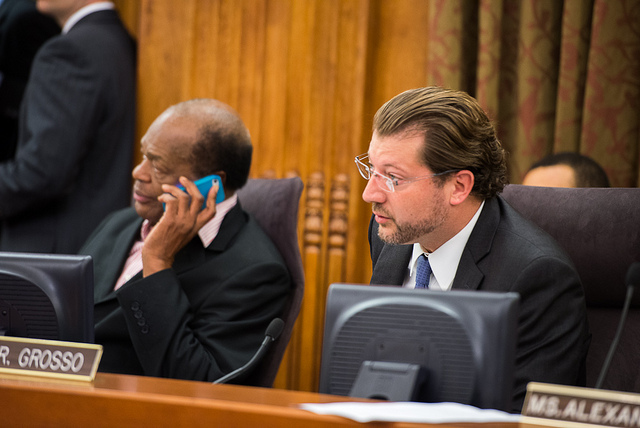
(223, 177)
(462, 183)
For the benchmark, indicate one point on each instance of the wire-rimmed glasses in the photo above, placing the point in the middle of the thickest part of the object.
(390, 183)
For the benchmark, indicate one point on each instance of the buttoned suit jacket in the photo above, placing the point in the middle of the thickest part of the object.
(73, 162)
(199, 320)
(505, 253)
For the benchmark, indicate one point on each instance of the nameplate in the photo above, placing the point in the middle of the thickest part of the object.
(568, 406)
(49, 358)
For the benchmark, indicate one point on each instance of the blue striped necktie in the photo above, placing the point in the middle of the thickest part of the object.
(423, 272)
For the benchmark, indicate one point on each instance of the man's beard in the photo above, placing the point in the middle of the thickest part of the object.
(410, 233)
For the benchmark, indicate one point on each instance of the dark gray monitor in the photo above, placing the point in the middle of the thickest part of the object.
(45, 296)
(420, 345)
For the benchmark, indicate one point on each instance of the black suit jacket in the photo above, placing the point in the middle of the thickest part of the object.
(22, 31)
(74, 157)
(199, 320)
(504, 253)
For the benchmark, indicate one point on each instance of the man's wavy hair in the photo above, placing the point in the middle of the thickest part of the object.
(458, 135)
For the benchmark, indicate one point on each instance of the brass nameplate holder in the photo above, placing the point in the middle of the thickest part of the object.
(49, 358)
(568, 406)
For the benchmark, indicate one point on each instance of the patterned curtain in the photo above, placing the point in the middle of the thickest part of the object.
(553, 75)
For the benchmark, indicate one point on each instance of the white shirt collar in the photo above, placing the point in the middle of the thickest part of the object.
(209, 231)
(84, 11)
(444, 261)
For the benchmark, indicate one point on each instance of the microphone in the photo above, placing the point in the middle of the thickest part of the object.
(632, 279)
(270, 335)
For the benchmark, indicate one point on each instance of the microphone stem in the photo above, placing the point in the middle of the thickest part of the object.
(256, 356)
(616, 339)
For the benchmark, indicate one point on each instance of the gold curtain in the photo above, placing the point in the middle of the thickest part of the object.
(554, 75)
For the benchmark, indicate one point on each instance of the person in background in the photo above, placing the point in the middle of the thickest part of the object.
(566, 170)
(76, 132)
(188, 292)
(22, 31)
(435, 169)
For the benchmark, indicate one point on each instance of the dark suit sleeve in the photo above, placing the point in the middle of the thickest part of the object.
(552, 331)
(172, 338)
(63, 110)
(24, 34)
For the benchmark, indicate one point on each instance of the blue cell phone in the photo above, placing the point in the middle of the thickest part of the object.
(204, 185)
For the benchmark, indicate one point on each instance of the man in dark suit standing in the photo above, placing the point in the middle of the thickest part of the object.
(186, 292)
(23, 29)
(76, 132)
(435, 169)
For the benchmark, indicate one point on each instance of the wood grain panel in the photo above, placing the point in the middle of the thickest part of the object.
(165, 54)
(129, 11)
(121, 400)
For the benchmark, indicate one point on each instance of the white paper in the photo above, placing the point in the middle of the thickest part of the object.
(435, 413)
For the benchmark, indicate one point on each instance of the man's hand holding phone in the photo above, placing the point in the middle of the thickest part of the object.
(186, 211)
(204, 185)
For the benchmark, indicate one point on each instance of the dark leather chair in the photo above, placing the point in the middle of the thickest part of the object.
(600, 230)
(274, 204)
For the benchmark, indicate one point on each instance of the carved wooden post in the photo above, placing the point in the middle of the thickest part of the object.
(309, 356)
(338, 226)
(288, 376)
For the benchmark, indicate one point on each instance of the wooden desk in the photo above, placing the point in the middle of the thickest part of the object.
(120, 401)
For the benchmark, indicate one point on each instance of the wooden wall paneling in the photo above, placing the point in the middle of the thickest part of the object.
(323, 45)
(338, 231)
(286, 122)
(252, 70)
(345, 131)
(351, 128)
(280, 155)
(129, 11)
(165, 57)
(231, 64)
(338, 46)
(399, 48)
(297, 89)
(300, 114)
(274, 155)
(228, 54)
(312, 252)
(208, 56)
(286, 115)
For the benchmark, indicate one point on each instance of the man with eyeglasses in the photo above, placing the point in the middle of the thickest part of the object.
(435, 169)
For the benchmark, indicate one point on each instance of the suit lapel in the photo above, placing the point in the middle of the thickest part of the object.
(390, 268)
(193, 254)
(469, 276)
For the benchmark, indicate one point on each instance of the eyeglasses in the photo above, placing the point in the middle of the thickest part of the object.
(390, 183)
